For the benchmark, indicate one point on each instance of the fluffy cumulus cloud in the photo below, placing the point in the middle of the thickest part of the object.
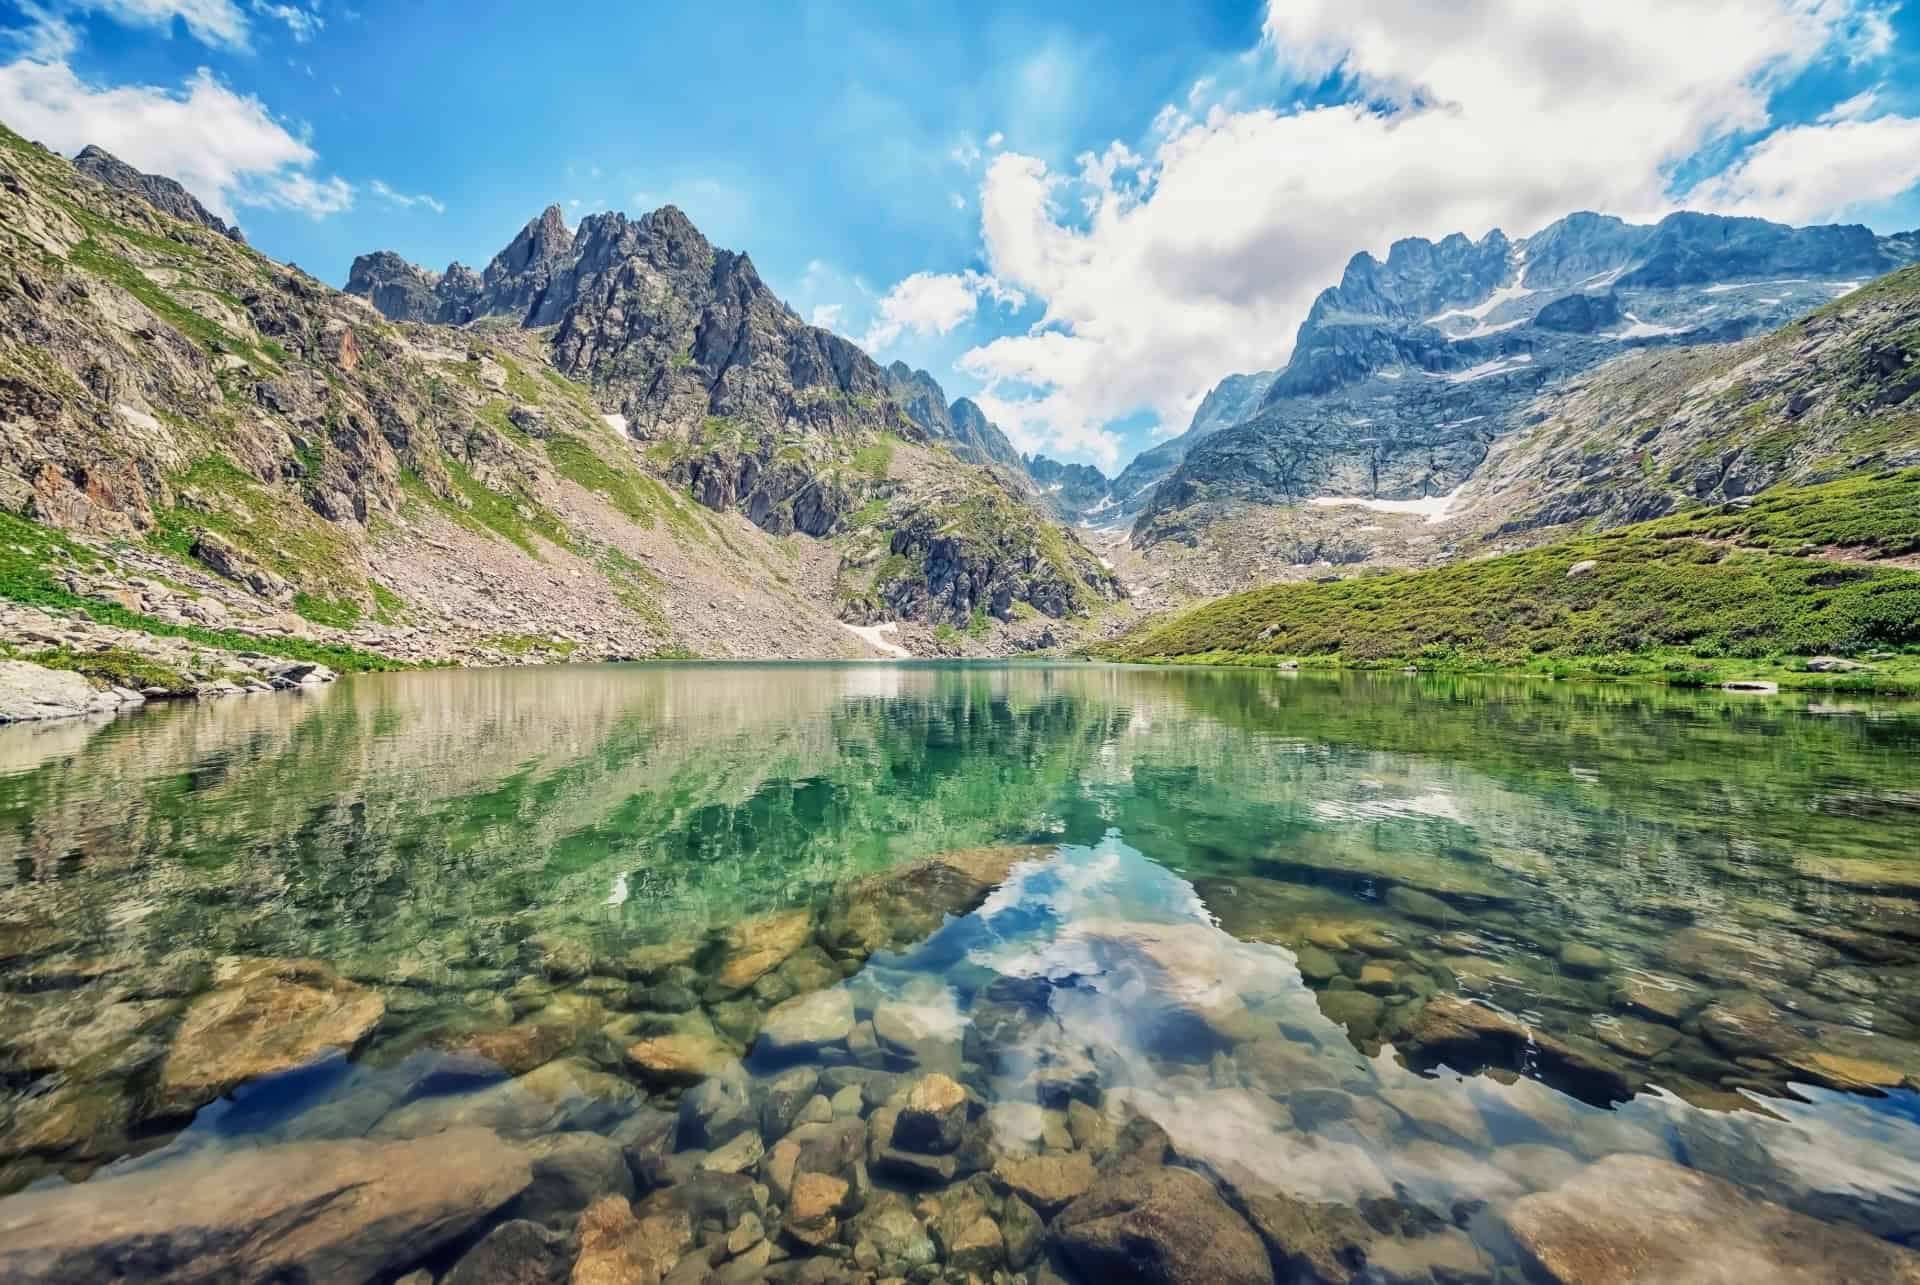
(1169, 264)
(1809, 172)
(225, 147)
(933, 303)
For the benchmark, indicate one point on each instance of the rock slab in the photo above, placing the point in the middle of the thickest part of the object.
(1637, 1218)
(334, 1211)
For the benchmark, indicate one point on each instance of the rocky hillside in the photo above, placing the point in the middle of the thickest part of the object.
(198, 441)
(1828, 395)
(1405, 375)
(1812, 586)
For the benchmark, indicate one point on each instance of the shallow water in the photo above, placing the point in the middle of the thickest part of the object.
(1398, 951)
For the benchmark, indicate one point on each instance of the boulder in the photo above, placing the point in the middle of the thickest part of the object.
(933, 1115)
(1047, 1182)
(571, 1170)
(814, 1208)
(1636, 1218)
(349, 1210)
(906, 904)
(263, 1016)
(618, 1248)
(755, 947)
(1163, 1226)
(32, 693)
(682, 1058)
(806, 1023)
(1314, 1242)
(515, 1252)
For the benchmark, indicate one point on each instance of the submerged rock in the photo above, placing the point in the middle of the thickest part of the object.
(908, 903)
(1635, 1218)
(678, 1059)
(757, 946)
(1162, 1226)
(344, 1211)
(807, 1022)
(263, 1016)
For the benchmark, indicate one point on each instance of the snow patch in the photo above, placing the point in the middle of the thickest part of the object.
(1844, 287)
(1505, 294)
(1488, 369)
(618, 423)
(1639, 329)
(871, 635)
(1432, 508)
(1483, 329)
(1727, 286)
(1502, 294)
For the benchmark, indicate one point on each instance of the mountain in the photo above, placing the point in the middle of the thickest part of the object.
(1831, 394)
(155, 189)
(1227, 403)
(979, 439)
(962, 426)
(630, 448)
(1079, 492)
(1405, 374)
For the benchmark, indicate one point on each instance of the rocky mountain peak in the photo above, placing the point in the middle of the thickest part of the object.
(156, 189)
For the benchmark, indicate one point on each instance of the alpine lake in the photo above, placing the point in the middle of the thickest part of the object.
(919, 972)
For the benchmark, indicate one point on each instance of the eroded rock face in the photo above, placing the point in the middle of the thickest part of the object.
(343, 1211)
(1166, 1226)
(1635, 1218)
(263, 1016)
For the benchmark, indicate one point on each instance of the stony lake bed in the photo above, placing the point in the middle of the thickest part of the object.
(949, 972)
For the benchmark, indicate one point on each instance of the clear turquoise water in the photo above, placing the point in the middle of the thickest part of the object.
(1242, 892)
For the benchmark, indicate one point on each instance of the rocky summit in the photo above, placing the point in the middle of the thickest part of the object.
(612, 441)
(1405, 374)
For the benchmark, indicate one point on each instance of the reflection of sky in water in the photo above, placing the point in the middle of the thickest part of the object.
(1221, 1042)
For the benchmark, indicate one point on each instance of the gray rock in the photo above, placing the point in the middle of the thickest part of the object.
(807, 1022)
(516, 1252)
(570, 1171)
(1160, 1226)
(31, 693)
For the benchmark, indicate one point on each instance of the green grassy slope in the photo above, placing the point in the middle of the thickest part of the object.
(1700, 597)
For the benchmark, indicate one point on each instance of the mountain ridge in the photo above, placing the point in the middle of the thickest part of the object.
(1407, 370)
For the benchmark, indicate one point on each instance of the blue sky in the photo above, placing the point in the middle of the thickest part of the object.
(1084, 214)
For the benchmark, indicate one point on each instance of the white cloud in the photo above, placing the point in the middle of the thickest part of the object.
(996, 138)
(933, 303)
(1808, 172)
(403, 200)
(302, 193)
(225, 147)
(827, 315)
(956, 200)
(1164, 272)
(303, 24)
(48, 34)
(1859, 107)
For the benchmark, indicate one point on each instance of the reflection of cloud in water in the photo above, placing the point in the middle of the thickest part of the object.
(1221, 1043)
